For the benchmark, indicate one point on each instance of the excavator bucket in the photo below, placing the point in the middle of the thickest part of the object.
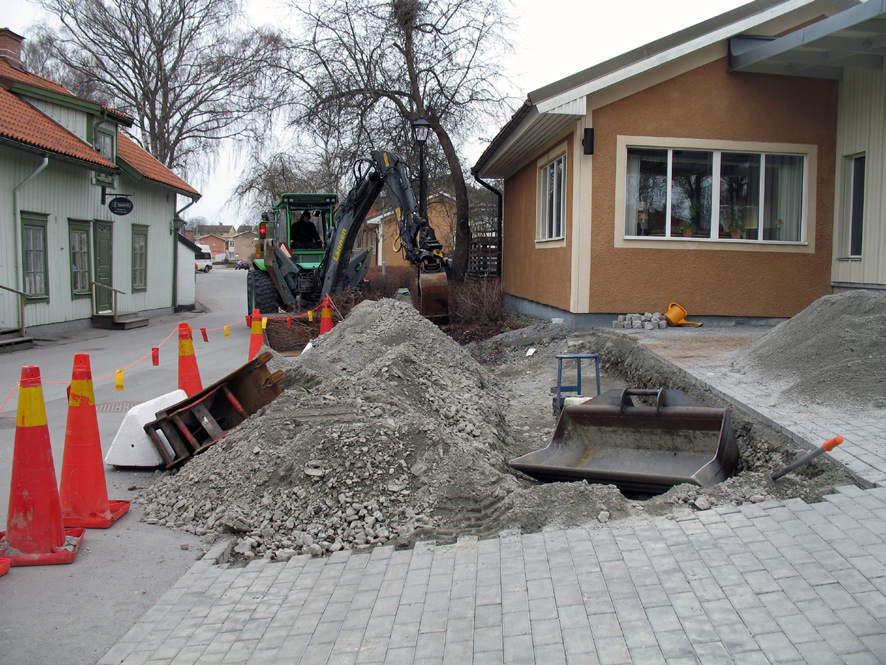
(433, 290)
(646, 449)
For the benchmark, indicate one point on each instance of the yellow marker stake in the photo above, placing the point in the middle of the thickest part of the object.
(310, 315)
(227, 331)
(264, 322)
(118, 379)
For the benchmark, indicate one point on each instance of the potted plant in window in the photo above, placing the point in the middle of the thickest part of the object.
(735, 225)
(687, 228)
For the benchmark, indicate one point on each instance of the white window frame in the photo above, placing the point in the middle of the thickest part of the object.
(550, 232)
(105, 141)
(806, 243)
(848, 207)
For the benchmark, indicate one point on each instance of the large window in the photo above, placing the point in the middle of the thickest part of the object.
(139, 258)
(714, 194)
(78, 233)
(853, 206)
(552, 195)
(34, 265)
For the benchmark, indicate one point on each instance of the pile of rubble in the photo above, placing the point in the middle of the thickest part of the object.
(647, 321)
(388, 432)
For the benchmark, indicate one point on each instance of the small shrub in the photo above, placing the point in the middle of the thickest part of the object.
(477, 301)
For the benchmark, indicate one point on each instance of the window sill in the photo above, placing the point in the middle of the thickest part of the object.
(719, 241)
(848, 258)
(541, 241)
(81, 294)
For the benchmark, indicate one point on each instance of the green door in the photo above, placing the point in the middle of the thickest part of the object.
(103, 236)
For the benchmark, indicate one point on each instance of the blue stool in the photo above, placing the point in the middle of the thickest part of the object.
(560, 389)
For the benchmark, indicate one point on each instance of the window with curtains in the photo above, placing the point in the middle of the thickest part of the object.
(714, 195)
(78, 233)
(139, 258)
(35, 269)
(552, 196)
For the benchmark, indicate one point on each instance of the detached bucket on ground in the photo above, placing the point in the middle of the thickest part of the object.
(645, 449)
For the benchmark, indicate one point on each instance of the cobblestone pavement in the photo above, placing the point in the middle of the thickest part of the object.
(703, 356)
(774, 582)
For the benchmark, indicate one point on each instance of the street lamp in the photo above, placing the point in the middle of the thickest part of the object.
(421, 129)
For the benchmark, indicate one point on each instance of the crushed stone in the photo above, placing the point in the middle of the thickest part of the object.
(388, 432)
(833, 352)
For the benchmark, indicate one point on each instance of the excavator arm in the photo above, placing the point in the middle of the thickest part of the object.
(341, 268)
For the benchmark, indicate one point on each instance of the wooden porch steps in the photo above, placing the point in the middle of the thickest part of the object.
(123, 320)
(12, 340)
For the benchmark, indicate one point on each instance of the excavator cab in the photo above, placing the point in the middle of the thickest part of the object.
(292, 272)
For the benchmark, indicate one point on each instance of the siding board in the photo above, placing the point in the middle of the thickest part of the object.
(862, 128)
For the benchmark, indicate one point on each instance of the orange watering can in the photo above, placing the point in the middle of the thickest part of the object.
(676, 316)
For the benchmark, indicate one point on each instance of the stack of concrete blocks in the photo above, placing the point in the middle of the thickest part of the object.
(647, 321)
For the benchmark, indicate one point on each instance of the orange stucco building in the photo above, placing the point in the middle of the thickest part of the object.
(664, 175)
(384, 240)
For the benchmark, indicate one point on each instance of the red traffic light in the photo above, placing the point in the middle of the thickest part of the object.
(262, 231)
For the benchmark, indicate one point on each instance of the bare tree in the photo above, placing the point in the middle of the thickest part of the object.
(374, 66)
(181, 68)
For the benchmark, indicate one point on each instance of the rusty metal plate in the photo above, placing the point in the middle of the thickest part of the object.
(433, 291)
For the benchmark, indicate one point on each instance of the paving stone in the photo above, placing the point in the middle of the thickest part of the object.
(777, 647)
(612, 650)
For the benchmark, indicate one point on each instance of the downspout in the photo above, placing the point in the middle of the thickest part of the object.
(17, 219)
(176, 216)
(498, 222)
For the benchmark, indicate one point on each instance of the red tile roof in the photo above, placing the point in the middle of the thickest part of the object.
(9, 72)
(22, 122)
(24, 76)
(149, 167)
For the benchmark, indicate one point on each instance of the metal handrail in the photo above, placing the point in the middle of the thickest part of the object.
(21, 300)
(109, 288)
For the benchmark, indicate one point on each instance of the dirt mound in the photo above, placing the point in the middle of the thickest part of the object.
(388, 432)
(833, 352)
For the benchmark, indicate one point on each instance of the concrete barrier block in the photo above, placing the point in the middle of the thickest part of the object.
(132, 446)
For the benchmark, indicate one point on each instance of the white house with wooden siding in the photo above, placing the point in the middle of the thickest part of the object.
(849, 47)
(89, 221)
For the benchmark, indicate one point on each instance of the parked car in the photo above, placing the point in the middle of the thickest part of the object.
(242, 265)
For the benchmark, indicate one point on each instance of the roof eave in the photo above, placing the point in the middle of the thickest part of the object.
(195, 196)
(58, 156)
(810, 51)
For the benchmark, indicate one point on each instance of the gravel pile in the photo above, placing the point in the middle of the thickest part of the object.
(833, 352)
(388, 432)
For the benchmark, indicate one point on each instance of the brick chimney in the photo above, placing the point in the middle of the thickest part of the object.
(11, 47)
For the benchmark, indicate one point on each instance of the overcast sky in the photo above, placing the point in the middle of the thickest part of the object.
(555, 38)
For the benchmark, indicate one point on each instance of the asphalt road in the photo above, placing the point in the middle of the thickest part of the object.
(75, 613)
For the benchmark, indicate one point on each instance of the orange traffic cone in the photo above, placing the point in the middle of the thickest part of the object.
(188, 372)
(35, 534)
(83, 491)
(257, 337)
(325, 316)
(4, 566)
